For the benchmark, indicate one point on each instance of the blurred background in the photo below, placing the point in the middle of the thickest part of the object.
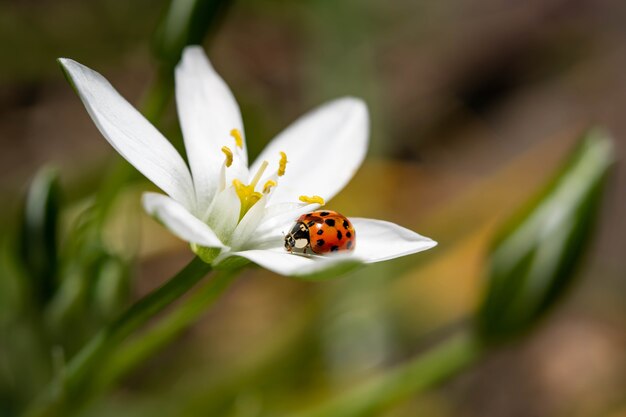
(474, 105)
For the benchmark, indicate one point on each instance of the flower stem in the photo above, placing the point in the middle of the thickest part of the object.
(165, 330)
(424, 372)
(66, 389)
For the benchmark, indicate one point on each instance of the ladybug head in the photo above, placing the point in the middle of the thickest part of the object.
(290, 242)
(297, 240)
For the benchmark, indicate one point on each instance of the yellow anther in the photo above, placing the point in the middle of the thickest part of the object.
(229, 155)
(236, 134)
(282, 164)
(268, 186)
(313, 199)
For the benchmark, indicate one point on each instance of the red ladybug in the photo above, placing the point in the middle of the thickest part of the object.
(321, 232)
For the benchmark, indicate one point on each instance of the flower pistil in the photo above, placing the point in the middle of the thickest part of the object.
(247, 192)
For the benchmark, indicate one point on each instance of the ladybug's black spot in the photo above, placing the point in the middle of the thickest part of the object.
(339, 235)
(330, 222)
(311, 223)
(334, 249)
(324, 213)
(320, 232)
(348, 234)
(346, 224)
(349, 244)
(320, 242)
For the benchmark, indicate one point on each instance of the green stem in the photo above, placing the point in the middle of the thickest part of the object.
(135, 351)
(67, 388)
(424, 372)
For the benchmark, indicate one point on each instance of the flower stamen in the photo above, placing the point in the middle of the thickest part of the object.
(236, 134)
(229, 156)
(312, 199)
(282, 164)
(268, 186)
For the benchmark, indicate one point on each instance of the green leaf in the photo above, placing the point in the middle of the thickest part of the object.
(92, 282)
(533, 260)
(112, 286)
(38, 239)
(186, 22)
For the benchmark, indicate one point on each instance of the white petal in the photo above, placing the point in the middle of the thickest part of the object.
(208, 112)
(272, 240)
(378, 240)
(131, 134)
(179, 220)
(224, 213)
(280, 261)
(248, 224)
(324, 148)
(280, 217)
(277, 221)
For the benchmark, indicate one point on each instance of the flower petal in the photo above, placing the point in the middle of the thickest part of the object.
(224, 213)
(378, 240)
(280, 217)
(248, 225)
(179, 220)
(284, 263)
(277, 221)
(324, 149)
(208, 112)
(131, 134)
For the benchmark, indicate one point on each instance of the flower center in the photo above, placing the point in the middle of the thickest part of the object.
(247, 194)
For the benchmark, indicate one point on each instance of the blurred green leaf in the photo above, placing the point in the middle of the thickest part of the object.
(93, 283)
(533, 260)
(186, 22)
(38, 239)
(112, 286)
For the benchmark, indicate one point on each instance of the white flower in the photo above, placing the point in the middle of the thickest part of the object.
(224, 208)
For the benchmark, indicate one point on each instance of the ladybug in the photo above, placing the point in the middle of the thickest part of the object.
(321, 232)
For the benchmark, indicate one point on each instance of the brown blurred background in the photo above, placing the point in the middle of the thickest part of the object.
(474, 105)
